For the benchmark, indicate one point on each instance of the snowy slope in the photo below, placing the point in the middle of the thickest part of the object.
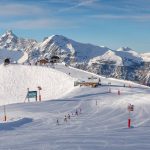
(13, 55)
(147, 78)
(15, 79)
(101, 125)
(121, 57)
(129, 56)
(24, 58)
(107, 58)
(146, 57)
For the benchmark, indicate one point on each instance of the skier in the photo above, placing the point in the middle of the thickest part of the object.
(68, 116)
(96, 102)
(76, 112)
(65, 119)
(57, 122)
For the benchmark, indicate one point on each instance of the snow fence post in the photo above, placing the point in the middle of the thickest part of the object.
(39, 88)
(5, 118)
(129, 122)
(118, 92)
(27, 93)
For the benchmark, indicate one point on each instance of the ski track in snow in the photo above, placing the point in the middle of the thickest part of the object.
(32, 126)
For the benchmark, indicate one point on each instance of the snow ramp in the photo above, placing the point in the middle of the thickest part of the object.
(15, 79)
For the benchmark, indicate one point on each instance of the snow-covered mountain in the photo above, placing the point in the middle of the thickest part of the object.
(10, 41)
(129, 56)
(66, 49)
(146, 57)
(108, 57)
(14, 47)
(123, 63)
(121, 57)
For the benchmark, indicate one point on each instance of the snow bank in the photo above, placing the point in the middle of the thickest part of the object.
(11, 125)
(15, 79)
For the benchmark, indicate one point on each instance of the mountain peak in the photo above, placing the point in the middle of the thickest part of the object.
(9, 34)
(59, 38)
(10, 41)
(56, 38)
(124, 49)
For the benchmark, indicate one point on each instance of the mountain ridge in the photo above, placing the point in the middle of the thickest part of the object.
(99, 59)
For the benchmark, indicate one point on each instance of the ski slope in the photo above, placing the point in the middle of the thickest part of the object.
(101, 125)
(15, 79)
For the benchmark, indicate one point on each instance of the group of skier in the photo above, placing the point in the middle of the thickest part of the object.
(68, 117)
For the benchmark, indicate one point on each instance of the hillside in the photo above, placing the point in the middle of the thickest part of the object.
(15, 79)
(101, 121)
(13, 55)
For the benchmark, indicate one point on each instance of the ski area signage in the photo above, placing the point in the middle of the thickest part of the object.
(32, 94)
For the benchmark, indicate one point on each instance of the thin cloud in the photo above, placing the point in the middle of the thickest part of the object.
(79, 4)
(38, 24)
(127, 17)
(19, 10)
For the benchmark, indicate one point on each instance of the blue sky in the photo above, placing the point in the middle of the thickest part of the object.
(111, 23)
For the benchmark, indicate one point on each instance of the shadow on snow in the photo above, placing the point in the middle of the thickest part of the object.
(14, 124)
